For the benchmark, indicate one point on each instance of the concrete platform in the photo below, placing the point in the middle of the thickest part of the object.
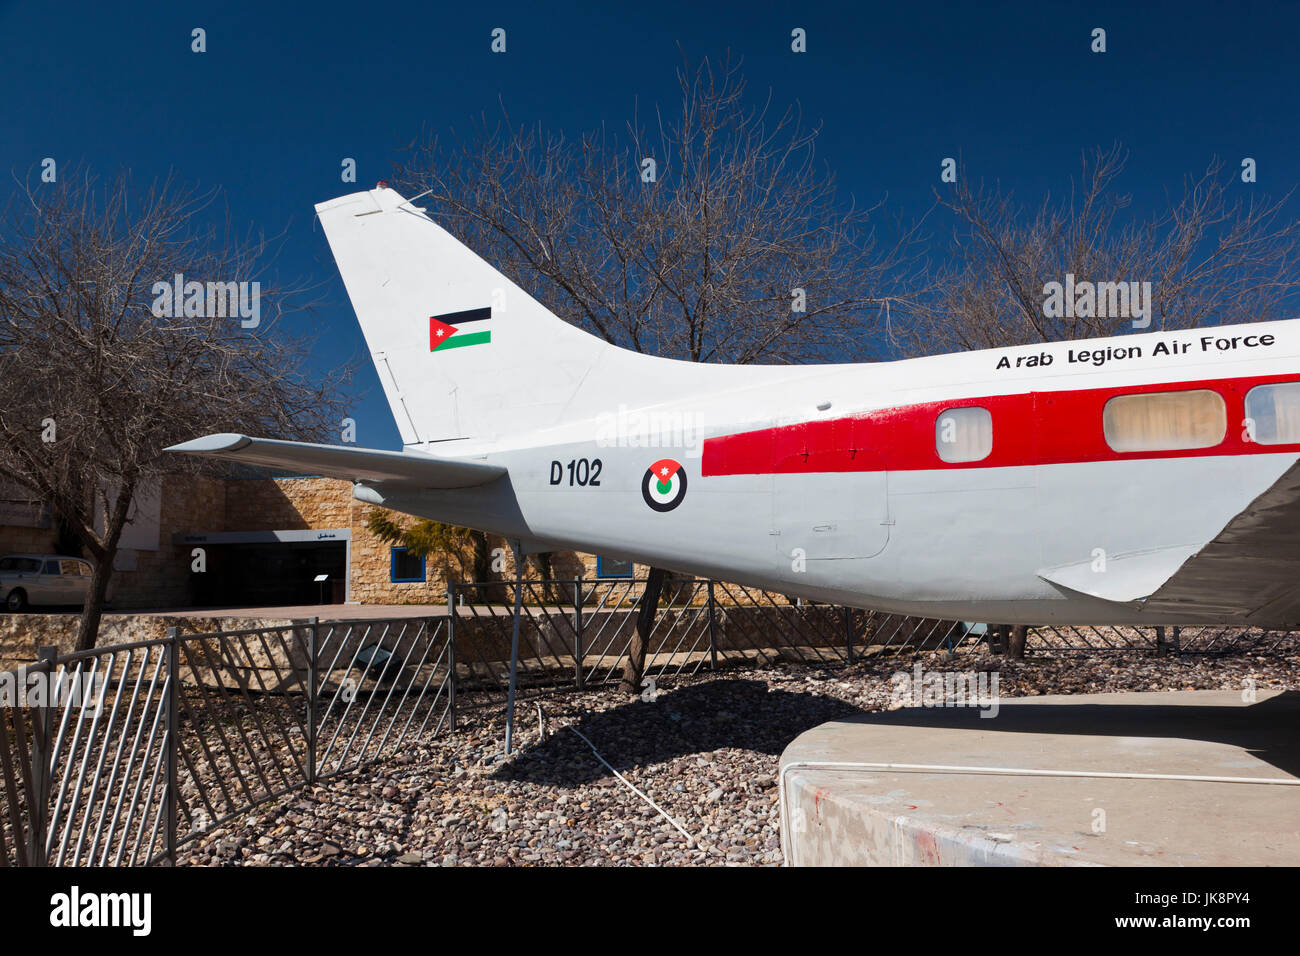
(891, 817)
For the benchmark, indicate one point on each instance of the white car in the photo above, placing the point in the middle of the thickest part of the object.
(43, 579)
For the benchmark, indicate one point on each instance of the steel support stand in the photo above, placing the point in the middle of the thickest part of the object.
(518, 550)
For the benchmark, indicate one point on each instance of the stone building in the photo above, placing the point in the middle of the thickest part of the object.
(260, 542)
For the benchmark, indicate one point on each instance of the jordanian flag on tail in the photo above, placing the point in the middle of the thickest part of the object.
(456, 329)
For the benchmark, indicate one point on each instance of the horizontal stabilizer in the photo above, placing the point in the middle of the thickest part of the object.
(367, 465)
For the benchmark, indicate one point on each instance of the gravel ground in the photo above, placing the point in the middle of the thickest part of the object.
(706, 750)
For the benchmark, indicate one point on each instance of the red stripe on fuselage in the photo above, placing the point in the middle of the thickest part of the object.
(1032, 428)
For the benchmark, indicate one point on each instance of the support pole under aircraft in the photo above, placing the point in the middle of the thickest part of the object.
(518, 550)
(634, 667)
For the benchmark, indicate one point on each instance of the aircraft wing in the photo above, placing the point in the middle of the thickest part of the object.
(1249, 573)
(367, 465)
(1127, 578)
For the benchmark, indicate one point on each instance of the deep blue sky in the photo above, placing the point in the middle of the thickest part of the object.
(285, 92)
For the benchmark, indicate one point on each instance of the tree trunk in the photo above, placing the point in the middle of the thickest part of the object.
(542, 561)
(1016, 644)
(114, 522)
(88, 630)
(481, 557)
(634, 667)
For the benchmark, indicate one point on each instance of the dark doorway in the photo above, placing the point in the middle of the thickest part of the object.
(271, 574)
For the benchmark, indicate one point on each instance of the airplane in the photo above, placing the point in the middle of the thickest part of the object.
(1145, 479)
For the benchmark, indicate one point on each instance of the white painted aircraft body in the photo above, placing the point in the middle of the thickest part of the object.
(825, 482)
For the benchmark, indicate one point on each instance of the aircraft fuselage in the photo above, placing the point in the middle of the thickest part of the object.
(833, 484)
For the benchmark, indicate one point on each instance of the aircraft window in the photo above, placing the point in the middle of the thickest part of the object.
(1273, 413)
(964, 434)
(1163, 421)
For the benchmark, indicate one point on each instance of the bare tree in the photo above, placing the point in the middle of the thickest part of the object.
(712, 233)
(98, 376)
(1216, 254)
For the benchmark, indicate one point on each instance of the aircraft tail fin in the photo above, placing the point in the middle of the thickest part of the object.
(462, 351)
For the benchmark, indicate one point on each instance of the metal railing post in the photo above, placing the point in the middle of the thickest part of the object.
(848, 632)
(42, 766)
(173, 742)
(313, 651)
(518, 550)
(579, 679)
(713, 638)
(451, 651)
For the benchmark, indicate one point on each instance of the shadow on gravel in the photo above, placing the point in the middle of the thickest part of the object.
(744, 714)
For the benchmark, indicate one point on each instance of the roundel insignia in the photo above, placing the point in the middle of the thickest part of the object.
(664, 485)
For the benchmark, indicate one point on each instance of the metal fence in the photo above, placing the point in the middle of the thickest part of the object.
(576, 633)
(125, 753)
(1215, 640)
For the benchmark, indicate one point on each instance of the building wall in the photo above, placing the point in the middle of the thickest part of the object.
(287, 504)
(320, 503)
(372, 565)
(29, 540)
(161, 578)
